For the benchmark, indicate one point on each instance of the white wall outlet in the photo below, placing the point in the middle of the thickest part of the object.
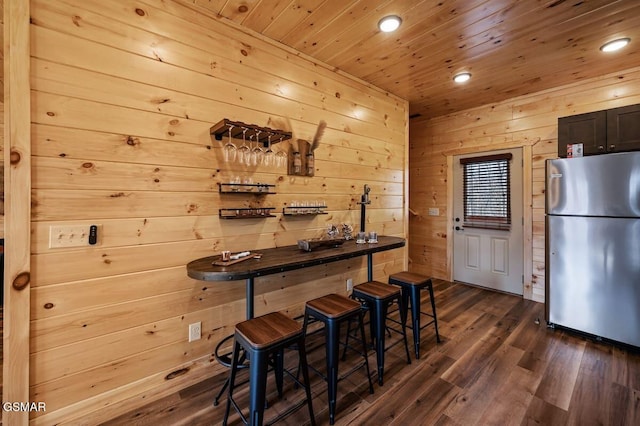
(349, 285)
(434, 211)
(195, 331)
(73, 235)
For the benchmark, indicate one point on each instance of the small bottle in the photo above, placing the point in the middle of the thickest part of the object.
(297, 163)
(310, 164)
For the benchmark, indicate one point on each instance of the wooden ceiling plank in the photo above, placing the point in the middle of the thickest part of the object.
(214, 6)
(264, 14)
(297, 12)
(364, 29)
(322, 17)
(340, 24)
(238, 10)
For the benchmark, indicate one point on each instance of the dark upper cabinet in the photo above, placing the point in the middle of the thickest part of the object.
(589, 129)
(600, 132)
(623, 128)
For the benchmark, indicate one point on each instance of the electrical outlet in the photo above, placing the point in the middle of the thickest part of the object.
(349, 285)
(72, 235)
(195, 331)
(434, 211)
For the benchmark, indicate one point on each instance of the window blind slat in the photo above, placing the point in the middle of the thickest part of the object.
(487, 191)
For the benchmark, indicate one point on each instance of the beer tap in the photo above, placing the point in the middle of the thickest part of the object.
(364, 200)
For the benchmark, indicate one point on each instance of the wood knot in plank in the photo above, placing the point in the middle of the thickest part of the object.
(48, 305)
(87, 165)
(21, 281)
(243, 8)
(177, 373)
(140, 12)
(14, 157)
(132, 141)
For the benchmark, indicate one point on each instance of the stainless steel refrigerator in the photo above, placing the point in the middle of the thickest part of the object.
(593, 245)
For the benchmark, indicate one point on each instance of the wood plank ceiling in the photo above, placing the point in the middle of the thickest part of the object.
(511, 47)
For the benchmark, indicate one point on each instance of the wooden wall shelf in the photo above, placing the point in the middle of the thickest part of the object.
(246, 188)
(246, 213)
(220, 130)
(303, 211)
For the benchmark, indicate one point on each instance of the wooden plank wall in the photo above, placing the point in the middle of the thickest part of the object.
(528, 121)
(123, 95)
(2, 121)
(17, 183)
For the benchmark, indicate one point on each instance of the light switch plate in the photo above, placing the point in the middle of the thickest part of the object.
(61, 236)
(434, 211)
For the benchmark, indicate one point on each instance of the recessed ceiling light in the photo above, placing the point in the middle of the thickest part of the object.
(389, 23)
(614, 45)
(462, 77)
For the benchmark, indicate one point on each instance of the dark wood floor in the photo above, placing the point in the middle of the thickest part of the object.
(497, 363)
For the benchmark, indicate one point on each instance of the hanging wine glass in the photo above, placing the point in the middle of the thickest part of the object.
(243, 150)
(229, 149)
(257, 154)
(269, 154)
(248, 159)
(281, 155)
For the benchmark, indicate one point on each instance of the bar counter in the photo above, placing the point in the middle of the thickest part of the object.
(286, 258)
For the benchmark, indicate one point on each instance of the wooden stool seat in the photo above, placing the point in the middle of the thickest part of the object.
(264, 339)
(332, 310)
(409, 278)
(268, 330)
(377, 297)
(411, 284)
(377, 290)
(334, 306)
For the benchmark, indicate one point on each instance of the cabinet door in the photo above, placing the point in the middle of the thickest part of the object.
(589, 129)
(623, 128)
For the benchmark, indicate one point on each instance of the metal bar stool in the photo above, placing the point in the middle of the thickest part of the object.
(225, 360)
(377, 297)
(264, 338)
(411, 284)
(332, 310)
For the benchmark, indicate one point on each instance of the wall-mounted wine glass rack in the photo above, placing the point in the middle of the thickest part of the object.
(225, 127)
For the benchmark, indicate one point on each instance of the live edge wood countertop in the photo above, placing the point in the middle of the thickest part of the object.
(286, 258)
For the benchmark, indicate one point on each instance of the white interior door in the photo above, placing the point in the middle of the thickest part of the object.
(491, 258)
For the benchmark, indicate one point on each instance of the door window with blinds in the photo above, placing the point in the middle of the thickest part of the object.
(487, 191)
